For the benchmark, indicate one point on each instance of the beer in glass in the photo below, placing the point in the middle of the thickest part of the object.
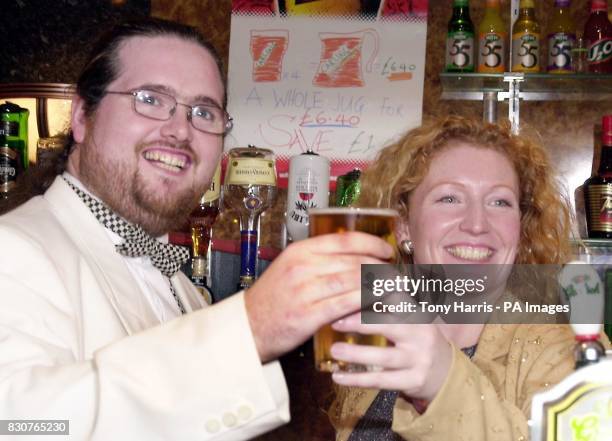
(377, 221)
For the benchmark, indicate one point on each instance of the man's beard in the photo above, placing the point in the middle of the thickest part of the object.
(126, 192)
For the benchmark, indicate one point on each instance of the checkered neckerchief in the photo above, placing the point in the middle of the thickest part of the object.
(137, 242)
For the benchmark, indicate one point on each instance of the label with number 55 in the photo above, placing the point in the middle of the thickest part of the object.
(491, 51)
(526, 52)
(460, 52)
(560, 52)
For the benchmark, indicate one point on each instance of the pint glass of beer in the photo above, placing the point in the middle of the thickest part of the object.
(377, 221)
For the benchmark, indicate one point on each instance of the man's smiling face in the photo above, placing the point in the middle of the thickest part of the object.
(151, 172)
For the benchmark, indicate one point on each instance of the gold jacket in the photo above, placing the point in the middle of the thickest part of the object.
(485, 398)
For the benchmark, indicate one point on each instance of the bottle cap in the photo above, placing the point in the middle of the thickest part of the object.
(599, 5)
(606, 130)
(354, 174)
(9, 107)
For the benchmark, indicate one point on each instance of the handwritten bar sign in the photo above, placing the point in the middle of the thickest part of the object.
(342, 86)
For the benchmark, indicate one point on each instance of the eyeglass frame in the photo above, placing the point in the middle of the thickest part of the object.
(228, 124)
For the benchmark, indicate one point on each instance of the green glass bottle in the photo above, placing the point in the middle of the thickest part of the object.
(460, 39)
(348, 188)
(526, 39)
(14, 126)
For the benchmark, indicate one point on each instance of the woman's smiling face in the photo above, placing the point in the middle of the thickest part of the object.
(466, 209)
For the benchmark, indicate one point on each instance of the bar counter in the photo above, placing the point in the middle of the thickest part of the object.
(310, 395)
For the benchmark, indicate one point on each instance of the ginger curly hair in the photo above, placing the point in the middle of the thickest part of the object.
(545, 214)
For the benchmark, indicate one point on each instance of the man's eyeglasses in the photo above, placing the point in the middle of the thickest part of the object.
(207, 118)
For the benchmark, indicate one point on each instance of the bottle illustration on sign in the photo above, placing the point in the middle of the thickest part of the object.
(268, 49)
(340, 64)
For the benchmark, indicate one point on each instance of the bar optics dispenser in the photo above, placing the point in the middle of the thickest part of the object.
(249, 188)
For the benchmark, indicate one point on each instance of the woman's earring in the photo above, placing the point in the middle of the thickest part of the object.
(407, 247)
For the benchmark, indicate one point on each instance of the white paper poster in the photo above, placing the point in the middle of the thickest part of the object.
(342, 86)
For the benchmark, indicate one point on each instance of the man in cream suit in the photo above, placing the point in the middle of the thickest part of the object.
(96, 325)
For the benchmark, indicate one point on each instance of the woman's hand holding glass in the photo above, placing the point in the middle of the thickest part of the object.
(416, 364)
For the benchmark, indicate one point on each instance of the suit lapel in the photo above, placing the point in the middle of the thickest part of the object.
(108, 267)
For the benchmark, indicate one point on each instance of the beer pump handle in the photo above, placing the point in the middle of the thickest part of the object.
(583, 289)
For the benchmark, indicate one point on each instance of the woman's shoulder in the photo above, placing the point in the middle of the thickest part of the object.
(531, 331)
(498, 340)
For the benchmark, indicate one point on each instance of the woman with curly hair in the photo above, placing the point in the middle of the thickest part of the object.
(468, 192)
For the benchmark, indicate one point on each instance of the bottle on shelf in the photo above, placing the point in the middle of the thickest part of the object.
(249, 188)
(526, 39)
(460, 39)
(492, 35)
(308, 188)
(201, 221)
(13, 145)
(598, 35)
(598, 189)
(561, 39)
(348, 188)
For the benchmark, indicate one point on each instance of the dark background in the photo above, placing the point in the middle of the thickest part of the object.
(47, 41)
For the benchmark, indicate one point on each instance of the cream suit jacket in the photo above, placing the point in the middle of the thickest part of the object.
(79, 342)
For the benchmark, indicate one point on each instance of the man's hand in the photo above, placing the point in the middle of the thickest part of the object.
(312, 283)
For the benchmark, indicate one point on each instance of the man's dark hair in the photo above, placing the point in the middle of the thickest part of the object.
(101, 69)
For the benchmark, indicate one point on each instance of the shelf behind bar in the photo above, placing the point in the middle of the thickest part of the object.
(592, 243)
(37, 90)
(535, 87)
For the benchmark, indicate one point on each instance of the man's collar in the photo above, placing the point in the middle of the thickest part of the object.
(77, 183)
